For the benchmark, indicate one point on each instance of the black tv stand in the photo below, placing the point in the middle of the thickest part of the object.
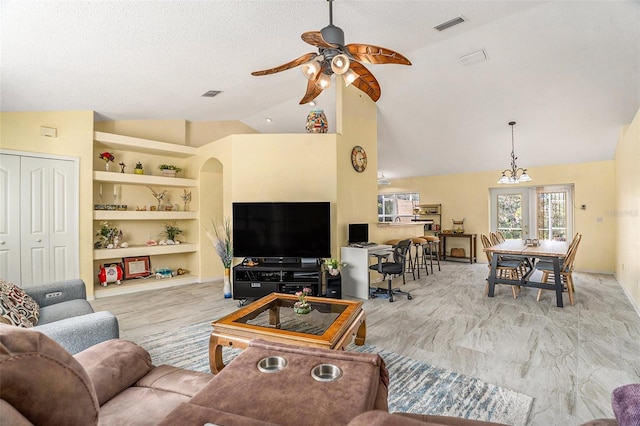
(254, 282)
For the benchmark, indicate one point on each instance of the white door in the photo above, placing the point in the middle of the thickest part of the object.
(10, 218)
(510, 212)
(49, 241)
(38, 219)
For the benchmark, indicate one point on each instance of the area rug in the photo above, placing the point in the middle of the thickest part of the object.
(415, 386)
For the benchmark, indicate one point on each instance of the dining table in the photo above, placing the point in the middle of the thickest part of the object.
(546, 250)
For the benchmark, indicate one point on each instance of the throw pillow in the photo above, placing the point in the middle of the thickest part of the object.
(626, 404)
(10, 315)
(19, 301)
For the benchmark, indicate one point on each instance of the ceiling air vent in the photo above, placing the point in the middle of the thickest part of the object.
(211, 93)
(450, 23)
(473, 57)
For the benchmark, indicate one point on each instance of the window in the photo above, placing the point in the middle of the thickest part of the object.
(510, 215)
(551, 214)
(397, 207)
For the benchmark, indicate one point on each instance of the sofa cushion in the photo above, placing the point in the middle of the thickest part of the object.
(626, 404)
(31, 366)
(113, 366)
(14, 298)
(63, 310)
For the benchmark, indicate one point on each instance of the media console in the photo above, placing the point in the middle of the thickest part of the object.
(254, 282)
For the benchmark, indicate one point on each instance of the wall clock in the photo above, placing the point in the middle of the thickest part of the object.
(358, 159)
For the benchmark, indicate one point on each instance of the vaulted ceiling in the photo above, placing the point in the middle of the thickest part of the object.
(568, 72)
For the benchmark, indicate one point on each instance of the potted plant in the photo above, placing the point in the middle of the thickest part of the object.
(171, 231)
(333, 265)
(169, 169)
(138, 170)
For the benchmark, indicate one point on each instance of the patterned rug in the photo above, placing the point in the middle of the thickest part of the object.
(415, 386)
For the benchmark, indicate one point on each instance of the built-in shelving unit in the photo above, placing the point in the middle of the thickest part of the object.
(430, 215)
(160, 255)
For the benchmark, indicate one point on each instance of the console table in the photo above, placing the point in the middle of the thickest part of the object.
(473, 251)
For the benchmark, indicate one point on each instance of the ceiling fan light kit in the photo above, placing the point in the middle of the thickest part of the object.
(334, 57)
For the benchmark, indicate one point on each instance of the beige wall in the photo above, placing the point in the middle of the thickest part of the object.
(182, 132)
(467, 196)
(20, 131)
(627, 209)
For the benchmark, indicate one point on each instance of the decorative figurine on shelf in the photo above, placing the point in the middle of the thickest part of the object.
(160, 196)
(107, 157)
(110, 274)
(186, 197)
(302, 306)
(138, 170)
(122, 166)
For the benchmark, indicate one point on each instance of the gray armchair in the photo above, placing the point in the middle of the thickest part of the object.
(67, 317)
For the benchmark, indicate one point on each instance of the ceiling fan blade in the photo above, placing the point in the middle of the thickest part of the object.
(366, 81)
(299, 61)
(312, 91)
(376, 54)
(315, 38)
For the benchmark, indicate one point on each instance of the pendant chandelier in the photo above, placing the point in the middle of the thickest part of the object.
(515, 174)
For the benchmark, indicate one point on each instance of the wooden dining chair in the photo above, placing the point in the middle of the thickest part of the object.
(494, 238)
(566, 269)
(500, 237)
(505, 268)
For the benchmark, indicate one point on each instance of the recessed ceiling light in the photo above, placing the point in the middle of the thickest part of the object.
(211, 93)
(268, 120)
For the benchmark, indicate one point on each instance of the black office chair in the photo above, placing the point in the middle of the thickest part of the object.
(389, 269)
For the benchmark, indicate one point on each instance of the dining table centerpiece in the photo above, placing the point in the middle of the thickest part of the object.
(302, 306)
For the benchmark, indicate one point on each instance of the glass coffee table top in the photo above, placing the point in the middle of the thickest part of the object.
(322, 316)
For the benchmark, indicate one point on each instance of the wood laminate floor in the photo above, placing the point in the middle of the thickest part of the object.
(569, 359)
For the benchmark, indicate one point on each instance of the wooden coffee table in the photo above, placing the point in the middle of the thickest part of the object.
(331, 324)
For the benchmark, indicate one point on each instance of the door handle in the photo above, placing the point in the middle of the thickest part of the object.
(1, 242)
(38, 240)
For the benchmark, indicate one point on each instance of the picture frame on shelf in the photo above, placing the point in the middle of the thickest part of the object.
(136, 267)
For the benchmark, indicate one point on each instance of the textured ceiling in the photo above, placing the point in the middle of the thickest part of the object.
(567, 71)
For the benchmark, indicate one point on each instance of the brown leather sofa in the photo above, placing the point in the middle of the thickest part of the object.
(115, 383)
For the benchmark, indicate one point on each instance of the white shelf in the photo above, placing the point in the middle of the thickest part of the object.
(133, 179)
(138, 285)
(143, 215)
(103, 254)
(128, 143)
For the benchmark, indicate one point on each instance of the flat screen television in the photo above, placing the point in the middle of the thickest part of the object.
(282, 229)
(358, 233)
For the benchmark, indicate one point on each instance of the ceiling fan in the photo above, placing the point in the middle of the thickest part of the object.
(335, 57)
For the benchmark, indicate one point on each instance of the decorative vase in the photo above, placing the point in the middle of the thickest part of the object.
(333, 271)
(106, 166)
(317, 122)
(302, 308)
(226, 289)
(138, 171)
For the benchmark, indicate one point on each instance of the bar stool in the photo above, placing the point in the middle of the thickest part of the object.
(432, 241)
(419, 243)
